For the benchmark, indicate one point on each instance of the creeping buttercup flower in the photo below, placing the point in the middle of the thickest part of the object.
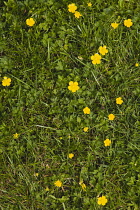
(103, 50)
(73, 86)
(102, 200)
(6, 81)
(72, 8)
(89, 4)
(85, 129)
(15, 136)
(107, 142)
(58, 183)
(30, 22)
(96, 58)
(86, 110)
(71, 155)
(77, 14)
(114, 25)
(119, 100)
(111, 116)
(128, 23)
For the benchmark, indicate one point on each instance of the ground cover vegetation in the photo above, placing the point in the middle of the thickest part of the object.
(69, 74)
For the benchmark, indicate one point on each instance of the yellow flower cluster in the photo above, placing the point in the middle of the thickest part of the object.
(100, 200)
(128, 23)
(96, 58)
(72, 8)
(73, 86)
(111, 117)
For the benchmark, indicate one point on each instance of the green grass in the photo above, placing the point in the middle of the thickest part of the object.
(41, 61)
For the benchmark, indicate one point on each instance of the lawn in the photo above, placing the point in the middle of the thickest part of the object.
(69, 131)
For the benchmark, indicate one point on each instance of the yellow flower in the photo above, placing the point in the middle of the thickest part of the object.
(73, 86)
(128, 23)
(82, 185)
(85, 129)
(58, 183)
(77, 14)
(103, 50)
(15, 136)
(47, 189)
(114, 25)
(102, 200)
(136, 64)
(89, 4)
(111, 116)
(86, 110)
(30, 22)
(36, 174)
(6, 81)
(72, 8)
(96, 58)
(119, 100)
(107, 142)
(71, 155)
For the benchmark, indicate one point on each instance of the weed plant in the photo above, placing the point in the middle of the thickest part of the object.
(54, 156)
